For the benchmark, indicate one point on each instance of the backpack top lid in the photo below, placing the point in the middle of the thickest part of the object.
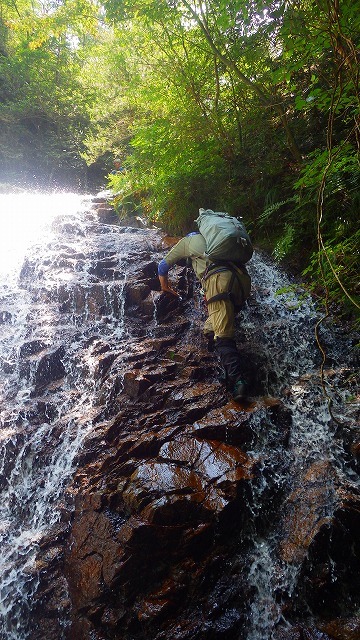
(219, 218)
(209, 213)
(226, 236)
(214, 213)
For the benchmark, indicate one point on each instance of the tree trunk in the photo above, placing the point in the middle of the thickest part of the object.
(264, 98)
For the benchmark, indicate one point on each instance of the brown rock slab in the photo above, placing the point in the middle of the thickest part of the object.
(308, 511)
(135, 383)
(343, 628)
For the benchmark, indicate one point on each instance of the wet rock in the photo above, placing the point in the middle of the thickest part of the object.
(149, 306)
(106, 269)
(325, 540)
(194, 478)
(239, 427)
(150, 270)
(28, 270)
(300, 633)
(100, 199)
(176, 487)
(31, 348)
(172, 491)
(302, 527)
(169, 241)
(168, 497)
(135, 383)
(150, 303)
(321, 487)
(132, 221)
(106, 214)
(5, 316)
(135, 293)
(104, 362)
(178, 483)
(343, 628)
(50, 368)
(355, 450)
(98, 299)
(6, 366)
(56, 596)
(41, 411)
(166, 304)
(70, 228)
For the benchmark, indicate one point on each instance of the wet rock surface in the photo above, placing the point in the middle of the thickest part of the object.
(168, 495)
(186, 515)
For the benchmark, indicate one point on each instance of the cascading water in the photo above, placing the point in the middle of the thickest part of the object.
(33, 474)
(63, 275)
(288, 342)
(55, 310)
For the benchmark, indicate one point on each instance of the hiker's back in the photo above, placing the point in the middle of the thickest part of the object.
(226, 237)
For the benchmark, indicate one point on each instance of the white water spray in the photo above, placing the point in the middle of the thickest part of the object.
(288, 340)
(46, 262)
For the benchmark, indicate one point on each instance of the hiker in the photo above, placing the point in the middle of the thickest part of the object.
(226, 286)
(117, 167)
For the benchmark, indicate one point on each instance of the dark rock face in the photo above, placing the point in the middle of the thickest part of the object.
(179, 493)
(166, 511)
(166, 490)
(149, 543)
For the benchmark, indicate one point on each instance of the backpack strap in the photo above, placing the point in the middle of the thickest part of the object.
(214, 268)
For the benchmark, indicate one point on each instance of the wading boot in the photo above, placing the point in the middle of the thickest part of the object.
(239, 391)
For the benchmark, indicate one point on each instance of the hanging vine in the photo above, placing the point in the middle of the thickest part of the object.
(347, 55)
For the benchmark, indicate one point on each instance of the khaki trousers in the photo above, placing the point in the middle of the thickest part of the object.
(221, 318)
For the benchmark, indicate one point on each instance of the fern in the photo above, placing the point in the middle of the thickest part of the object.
(284, 246)
(273, 208)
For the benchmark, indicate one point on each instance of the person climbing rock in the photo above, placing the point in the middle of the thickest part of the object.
(226, 287)
(118, 168)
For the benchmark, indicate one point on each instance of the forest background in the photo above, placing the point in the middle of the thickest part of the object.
(250, 107)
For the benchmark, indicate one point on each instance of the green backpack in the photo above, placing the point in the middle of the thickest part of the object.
(226, 237)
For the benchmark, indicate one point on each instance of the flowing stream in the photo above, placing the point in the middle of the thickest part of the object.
(288, 340)
(51, 296)
(50, 244)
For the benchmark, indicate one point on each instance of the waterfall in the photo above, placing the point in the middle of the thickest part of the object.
(289, 317)
(55, 310)
(63, 274)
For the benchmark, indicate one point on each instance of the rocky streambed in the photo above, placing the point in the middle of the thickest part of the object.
(145, 502)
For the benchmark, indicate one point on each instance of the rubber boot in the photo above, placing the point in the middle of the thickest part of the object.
(210, 341)
(228, 354)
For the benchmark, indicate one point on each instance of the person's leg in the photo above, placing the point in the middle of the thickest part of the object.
(222, 320)
(208, 333)
(228, 354)
(229, 358)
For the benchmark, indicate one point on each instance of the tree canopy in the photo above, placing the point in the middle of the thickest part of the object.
(246, 106)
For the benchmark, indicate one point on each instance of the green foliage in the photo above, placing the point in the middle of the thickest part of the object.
(44, 105)
(285, 244)
(247, 107)
(320, 224)
(341, 257)
(324, 210)
(270, 210)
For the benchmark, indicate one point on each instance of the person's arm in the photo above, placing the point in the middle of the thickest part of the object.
(177, 253)
(164, 283)
(164, 279)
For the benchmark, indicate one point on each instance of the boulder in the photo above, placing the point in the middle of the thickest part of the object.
(49, 368)
(106, 213)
